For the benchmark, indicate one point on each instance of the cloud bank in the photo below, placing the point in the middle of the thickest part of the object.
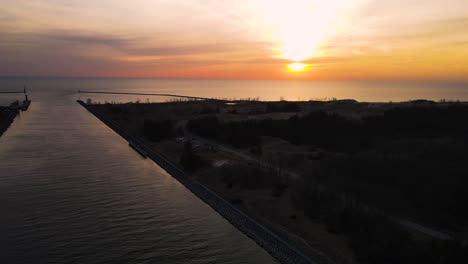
(340, 39)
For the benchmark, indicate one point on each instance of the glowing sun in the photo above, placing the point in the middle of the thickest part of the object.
(297, 66)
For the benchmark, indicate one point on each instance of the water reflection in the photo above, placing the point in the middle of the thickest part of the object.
(71, 191)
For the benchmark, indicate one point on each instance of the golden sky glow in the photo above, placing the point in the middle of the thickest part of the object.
(242, 39)
(297, 67)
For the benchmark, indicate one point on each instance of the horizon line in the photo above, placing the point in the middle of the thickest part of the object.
(224, 79)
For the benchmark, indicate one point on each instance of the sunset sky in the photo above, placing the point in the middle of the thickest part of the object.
(237, 39)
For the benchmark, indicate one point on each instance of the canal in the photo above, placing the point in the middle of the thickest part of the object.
(72, 191)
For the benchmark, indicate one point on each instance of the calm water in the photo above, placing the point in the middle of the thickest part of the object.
(72, 191)
(371, 91)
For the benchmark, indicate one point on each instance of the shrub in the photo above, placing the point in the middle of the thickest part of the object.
(154, 130)
(191, 161)
(282, 107)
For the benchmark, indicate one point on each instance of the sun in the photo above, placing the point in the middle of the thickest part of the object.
(297, 67)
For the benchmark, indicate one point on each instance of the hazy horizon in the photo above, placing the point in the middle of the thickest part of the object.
(230, 79)
(298, 39)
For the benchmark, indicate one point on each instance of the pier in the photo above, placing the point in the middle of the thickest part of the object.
(156, 94)
(8, 113)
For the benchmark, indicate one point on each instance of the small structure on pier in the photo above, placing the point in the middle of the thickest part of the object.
(25, 105)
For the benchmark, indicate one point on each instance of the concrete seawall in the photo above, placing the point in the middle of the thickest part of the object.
(7, 120)
(280, 248)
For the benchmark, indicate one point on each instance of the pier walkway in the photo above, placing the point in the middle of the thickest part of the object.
(156, 94)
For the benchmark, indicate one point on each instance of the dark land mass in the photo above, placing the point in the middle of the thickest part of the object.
(7, 115)
(354, 182)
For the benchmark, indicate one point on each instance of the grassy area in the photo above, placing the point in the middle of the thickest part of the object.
(417, 154)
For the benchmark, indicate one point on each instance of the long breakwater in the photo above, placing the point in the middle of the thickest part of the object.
(8, 115)
(278, 247)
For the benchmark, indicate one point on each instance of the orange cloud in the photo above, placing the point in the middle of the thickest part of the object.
(339, 39)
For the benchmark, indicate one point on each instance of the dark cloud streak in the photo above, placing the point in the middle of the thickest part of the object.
(139, 46)
(69, 52)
